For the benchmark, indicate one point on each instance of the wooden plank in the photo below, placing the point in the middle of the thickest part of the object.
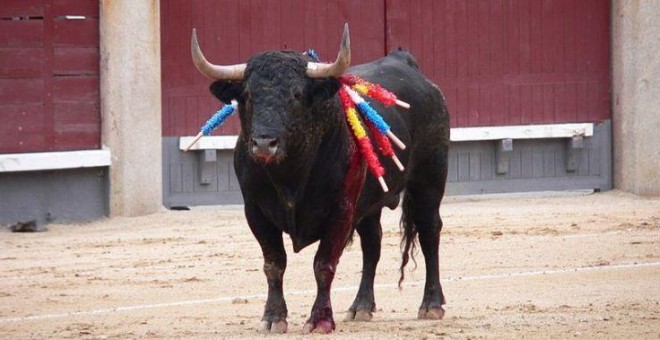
(292, 35)
(21, 62)
(497, 43)
(595, 161)
(498, 105)
(89, 8)
(462, 36)
(475, 166)
(515, 165)
(223, 173)
(76, 61)
(464, 166)
(439, 41)
(188, 176)
(80, 33)
(22, 130)
(21, 91)
(272, 30)
(536, 36)
(47, 76)
(487, 163)
(582, 102)
(472, 42)
(83, 89)
(76, 140)
(525, 26)
(487, 108)
(398, 27)
(473, 105)
(513, 95)
(178, 109)
(570, 32)
(77, 117)
(484, 39)
(536, 112)
(548, 108)
(452, 172)
(462, 112)
(417, 31)
(527, 163)
(176, 178)
(583, 166)
(193, 120)
(21, 8)
(537, 163)
(549, 163)
(512, 24)
(549, 35)
(24, 119)
(451, 43)
(21, 33)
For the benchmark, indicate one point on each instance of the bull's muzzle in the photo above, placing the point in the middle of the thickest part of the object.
(264, 148)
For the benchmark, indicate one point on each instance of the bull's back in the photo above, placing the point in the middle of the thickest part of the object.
(427, 120)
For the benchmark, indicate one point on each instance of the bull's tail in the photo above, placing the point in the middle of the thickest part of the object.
(408, 235)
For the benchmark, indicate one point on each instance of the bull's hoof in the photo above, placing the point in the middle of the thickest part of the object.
(436, 313)
(360, 315)
(321, 327)
(278, 327)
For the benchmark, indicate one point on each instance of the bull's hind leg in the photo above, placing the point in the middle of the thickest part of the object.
(421, 205)
(272, 246)
(371, 233)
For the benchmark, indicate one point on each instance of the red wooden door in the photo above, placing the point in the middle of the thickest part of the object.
(230, 31)
(49, 66)
(510, 62)
(499, 62)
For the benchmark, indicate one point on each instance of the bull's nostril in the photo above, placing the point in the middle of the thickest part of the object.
(264, 146)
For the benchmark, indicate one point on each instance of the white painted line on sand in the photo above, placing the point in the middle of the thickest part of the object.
(313, 291)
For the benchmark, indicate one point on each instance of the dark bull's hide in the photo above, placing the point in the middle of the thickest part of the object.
(301, 174)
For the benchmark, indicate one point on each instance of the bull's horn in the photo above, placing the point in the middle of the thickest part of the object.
(214, 72)
(336, 69)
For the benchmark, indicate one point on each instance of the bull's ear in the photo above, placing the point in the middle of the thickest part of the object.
(322, 89)
(227, 90)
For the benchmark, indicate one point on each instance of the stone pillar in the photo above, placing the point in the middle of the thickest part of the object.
(131, 104)
(636, 96)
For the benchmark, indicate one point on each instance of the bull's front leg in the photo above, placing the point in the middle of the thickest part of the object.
(325, 265)
(272, 247)
(333, 242)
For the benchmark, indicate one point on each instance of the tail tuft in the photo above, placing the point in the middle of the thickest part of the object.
(408, 236)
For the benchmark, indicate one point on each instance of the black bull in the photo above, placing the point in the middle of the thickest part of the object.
(300, 173)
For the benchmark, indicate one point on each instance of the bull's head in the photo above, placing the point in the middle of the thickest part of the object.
(285, 100)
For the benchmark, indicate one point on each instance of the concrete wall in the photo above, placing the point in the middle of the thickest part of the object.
(67, 195)
(131, 103)
(636, 96)
(197, 178)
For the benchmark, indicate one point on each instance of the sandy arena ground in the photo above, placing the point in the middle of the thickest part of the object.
(573, 265)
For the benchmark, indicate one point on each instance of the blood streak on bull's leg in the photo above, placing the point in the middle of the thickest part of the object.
(332, 245)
